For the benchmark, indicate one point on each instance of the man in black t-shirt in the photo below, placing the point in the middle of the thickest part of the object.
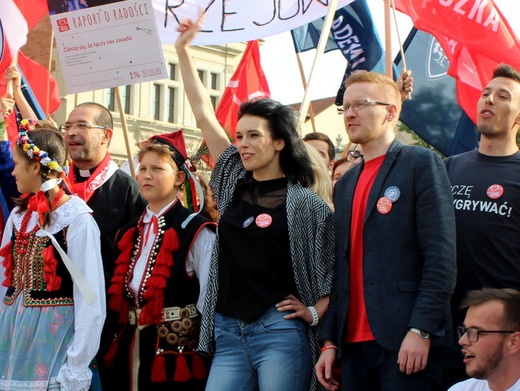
(486, 191)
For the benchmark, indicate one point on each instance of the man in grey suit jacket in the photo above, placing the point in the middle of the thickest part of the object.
(395, 253)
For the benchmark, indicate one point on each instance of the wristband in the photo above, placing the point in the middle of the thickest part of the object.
(315, 317)
(328, 347)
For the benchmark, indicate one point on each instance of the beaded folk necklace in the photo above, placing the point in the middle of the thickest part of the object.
(23, 236)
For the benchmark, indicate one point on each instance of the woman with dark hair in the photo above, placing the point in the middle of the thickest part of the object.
(271, 268)
(53, 292)
(282, 122)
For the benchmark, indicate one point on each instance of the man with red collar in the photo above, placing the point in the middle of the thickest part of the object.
(112, 194)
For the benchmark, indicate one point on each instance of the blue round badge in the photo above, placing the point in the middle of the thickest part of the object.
(247, 222)
(393, 193)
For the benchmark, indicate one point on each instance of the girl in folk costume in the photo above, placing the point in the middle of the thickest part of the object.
(271, 271)
(53, 293)
(160, 277)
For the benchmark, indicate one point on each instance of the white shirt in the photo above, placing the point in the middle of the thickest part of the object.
(480, 385)
(197, 261)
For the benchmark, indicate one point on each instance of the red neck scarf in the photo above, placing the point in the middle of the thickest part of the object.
(101, 174)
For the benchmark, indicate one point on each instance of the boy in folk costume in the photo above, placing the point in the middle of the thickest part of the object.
(161, 274)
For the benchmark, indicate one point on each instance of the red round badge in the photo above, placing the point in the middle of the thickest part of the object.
(495, 191)
(264, 220)
(384, 205)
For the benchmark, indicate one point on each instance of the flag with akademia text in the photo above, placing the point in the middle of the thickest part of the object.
(354, 33)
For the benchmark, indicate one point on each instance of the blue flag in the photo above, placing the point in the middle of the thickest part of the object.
(353, 32)
(433, 112)
(307, 37)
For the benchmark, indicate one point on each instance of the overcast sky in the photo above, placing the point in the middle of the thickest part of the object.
(281, 69)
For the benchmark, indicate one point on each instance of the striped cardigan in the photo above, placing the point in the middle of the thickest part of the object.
(311, 235)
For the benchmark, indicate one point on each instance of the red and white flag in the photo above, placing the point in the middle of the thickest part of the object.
(13, 33)
(248, 82)
(475, 37)
(17, 18)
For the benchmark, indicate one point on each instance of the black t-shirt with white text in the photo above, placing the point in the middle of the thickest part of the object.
(486, 198)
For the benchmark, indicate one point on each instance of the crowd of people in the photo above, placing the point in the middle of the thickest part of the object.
(292, 270)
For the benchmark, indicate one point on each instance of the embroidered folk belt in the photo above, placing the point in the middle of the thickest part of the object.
(179, 330)
(169, 313)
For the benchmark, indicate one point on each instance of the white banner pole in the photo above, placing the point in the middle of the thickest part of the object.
(325, 31)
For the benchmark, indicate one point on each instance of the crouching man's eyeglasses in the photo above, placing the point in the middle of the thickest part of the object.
(474, 333)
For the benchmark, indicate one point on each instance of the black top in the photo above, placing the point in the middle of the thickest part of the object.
(255, 269)
(486, 199)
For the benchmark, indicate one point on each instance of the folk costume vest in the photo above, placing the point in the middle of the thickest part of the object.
(34, 267)
(163, 311)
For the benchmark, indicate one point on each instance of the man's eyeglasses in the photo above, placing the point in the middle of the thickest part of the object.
(80, 126)
(354, 155)
(360, 105)
(474, 333)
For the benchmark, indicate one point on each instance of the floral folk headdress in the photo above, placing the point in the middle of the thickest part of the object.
(35, 153)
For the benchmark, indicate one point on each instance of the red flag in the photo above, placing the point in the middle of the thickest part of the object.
(32, 10)
(17, 17)
(42, 84)
(248, 82)
(474, 36)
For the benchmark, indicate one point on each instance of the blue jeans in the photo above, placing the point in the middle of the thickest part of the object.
(269, 354)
